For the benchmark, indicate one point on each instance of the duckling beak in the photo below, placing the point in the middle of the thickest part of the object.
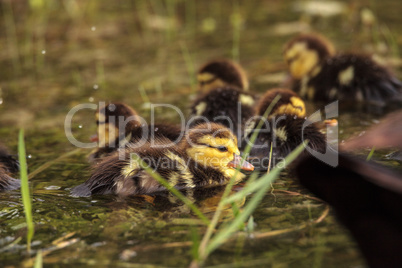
(237, 162)
(94, 138)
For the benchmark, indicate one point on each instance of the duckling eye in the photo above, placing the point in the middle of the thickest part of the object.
(222, 148)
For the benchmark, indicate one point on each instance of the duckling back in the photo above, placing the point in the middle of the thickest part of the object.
(227, 106)
(119, 124)
(352, 78)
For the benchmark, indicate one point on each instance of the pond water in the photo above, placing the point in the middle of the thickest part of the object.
(58, 54)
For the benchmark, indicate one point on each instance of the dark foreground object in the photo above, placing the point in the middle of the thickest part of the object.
(367, 199)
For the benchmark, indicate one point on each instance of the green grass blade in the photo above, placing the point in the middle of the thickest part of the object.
(247, 150)
(38, 260)
(170, 188)
(224, 233)
(195, 238)
(370, 155)
(266, 179)
(190, 65)
(207, 236)
(26, 198)
(143, 94)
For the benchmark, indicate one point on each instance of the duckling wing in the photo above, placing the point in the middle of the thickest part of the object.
(157, 131)
(126, 176)
(103, 178)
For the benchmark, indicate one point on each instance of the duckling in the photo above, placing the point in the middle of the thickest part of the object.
(284, 129)
(220, 73)
(225, 105)
(119, 124)
(206, 156)
(322, 75)
(8, 165)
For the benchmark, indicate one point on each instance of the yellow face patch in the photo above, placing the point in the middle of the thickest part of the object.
(107, 133)
(209, 154)
(208, 81)
(301, 60)
(295, 107)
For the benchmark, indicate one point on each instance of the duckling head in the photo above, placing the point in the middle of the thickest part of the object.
(304, 54)
(289, 103)
(220, 73)
(114, 120)
(215, 146)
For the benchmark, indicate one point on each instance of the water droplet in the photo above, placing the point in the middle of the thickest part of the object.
(91, 99)
(29, 156)
(80, 126)
(112, 107)
(93, 28)
(96, 86)
(43, 52)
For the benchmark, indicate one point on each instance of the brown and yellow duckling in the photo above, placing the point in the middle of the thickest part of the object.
(222, 96)
(225, 105)
(322, 75)
(118, 124)
(221, 73)
(206, 156)
(284, 129)
(8, 165)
